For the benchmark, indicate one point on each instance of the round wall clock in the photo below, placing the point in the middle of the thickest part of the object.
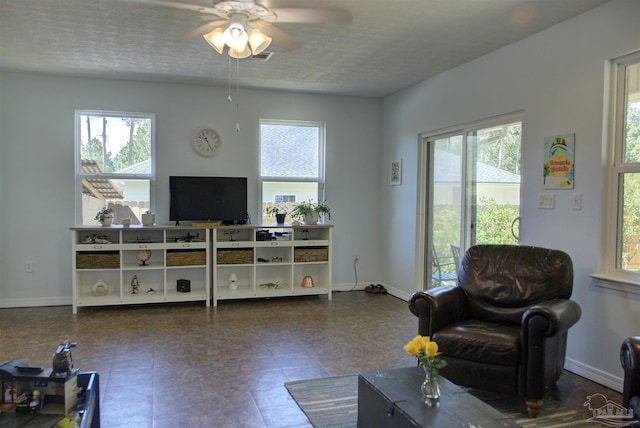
(207, 142)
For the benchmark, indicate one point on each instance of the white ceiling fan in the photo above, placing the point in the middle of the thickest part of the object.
(246, 27)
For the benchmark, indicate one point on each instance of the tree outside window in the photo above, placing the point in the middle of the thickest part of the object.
(115, 164)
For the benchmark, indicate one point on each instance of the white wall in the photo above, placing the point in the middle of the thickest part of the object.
(557, 78)
(37, 166)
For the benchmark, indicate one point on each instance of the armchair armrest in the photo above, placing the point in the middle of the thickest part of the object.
(630, 360)
(437, 308)
(554, 316)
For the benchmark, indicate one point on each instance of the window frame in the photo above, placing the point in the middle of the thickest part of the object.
(320, 180)
(79, 175)
(608, 274)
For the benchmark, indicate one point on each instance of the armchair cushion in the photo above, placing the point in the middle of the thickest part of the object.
(480, 341)
(502, 281)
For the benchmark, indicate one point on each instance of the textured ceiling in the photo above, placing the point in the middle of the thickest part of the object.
(389, 45)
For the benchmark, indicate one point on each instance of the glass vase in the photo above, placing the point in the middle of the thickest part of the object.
(431, 386)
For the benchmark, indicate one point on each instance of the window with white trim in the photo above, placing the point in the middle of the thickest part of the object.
(115, 164)
(291, 164)
(622, 255)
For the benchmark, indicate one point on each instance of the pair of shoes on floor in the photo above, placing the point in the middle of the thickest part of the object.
(375, 289)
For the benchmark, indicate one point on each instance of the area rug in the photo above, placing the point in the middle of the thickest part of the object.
(333, 403)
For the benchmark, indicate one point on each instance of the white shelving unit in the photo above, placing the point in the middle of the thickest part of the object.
(259, 265)
(105, 260)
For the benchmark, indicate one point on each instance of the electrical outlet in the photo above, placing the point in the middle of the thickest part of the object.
(356, 257)
(28, 266)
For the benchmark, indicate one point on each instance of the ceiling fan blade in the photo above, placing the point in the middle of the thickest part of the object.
(201, 30)
(176, 5)
(313, 15)
(281, 40)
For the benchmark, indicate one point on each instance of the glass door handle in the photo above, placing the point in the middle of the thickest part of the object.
(513, 224)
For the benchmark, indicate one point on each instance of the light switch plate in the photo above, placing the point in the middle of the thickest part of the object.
(546, 201)
(577, 201)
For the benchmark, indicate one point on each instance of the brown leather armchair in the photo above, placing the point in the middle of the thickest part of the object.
(630, 360)
(503, 328)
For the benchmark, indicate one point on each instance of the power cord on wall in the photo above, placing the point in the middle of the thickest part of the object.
(355, 272)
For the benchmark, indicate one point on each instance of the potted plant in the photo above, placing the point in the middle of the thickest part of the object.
(278, 211)
(105, 216)
(310, 211)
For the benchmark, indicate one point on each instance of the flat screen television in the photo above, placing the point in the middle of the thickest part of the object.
(208, 199)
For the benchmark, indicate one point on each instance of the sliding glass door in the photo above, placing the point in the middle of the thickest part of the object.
(472, 194)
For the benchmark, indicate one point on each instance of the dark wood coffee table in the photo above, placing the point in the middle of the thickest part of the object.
(392, 398)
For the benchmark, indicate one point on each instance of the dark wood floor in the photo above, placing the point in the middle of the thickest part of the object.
(188, 365)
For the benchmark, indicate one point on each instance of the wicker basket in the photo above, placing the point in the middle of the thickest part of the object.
(186, 257)
(240, 256)
(310, 254)
(98, 260)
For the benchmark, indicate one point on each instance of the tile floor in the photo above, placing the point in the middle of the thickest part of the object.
(188, 365)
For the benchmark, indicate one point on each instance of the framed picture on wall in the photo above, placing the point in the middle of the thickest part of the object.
(559, 161)
(396, 172)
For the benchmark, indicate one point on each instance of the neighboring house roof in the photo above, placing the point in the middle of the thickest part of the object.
(143, 167)
(447, 170)
(289, 151)
(101, 188)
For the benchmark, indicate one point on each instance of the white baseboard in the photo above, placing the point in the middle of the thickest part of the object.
(43, 301)
(596, 375)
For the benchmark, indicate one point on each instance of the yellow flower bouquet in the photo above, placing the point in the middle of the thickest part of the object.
(427, 353)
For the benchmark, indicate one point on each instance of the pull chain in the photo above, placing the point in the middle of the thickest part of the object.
(237, 94)
(229, 99)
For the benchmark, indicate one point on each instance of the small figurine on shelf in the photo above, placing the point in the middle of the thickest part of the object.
(135, 285)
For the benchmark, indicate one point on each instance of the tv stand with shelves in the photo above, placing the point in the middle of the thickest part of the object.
(105, 261)
(264, 268)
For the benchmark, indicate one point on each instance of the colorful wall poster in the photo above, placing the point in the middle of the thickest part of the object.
(559, 161)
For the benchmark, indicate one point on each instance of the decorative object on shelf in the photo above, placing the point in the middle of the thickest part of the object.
(307, 282)
(272, 285)
(183, 286)
(427, 353)
(100, 288)
(148, 219)
(231, 232)
(151, 291)
(189, 238)
(96, 239)
(104, 216)
(143, 256)
(263, 235)
(126, 222)
(310, 212)
(135, 285)
(278, 211)
(233, 281)
(207, 142)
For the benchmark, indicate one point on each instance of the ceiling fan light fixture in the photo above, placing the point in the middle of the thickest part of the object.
(216, 39)
(235, 36)
(258, 41)
(245, 52)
